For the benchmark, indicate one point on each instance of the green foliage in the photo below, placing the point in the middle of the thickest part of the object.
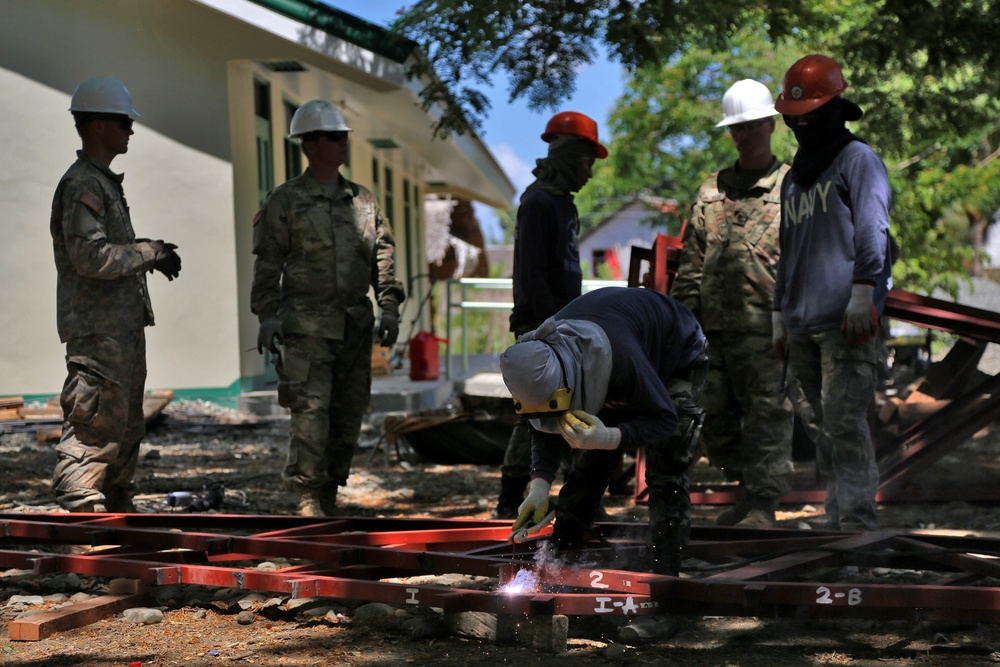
(664, 139)
(541, 45)
(926, 72)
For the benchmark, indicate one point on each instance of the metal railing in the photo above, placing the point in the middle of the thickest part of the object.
(465, 305)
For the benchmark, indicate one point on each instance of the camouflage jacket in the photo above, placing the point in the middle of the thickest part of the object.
(726, 273)
(101, 282)
(318, 250)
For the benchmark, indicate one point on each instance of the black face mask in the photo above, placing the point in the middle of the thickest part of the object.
(820, 127)
(820, 138)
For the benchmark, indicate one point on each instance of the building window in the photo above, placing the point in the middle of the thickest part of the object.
(346, 169)
(415, 254)
(605, 264)
(376, 186)
(265, 156)
(293, 149)
(389, 201)
(408, 235)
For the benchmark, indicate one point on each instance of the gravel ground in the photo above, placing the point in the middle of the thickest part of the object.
(199, 443)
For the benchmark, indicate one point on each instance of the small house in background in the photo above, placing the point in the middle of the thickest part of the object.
(606, 248)
(216, 82)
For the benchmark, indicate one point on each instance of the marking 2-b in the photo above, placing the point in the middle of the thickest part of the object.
(826, 596)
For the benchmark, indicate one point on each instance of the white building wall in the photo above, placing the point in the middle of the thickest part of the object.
(191, 170)
(174, 193)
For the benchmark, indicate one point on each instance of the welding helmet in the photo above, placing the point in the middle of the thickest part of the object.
(535, 376)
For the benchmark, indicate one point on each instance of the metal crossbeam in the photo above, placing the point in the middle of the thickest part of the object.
(730, 571)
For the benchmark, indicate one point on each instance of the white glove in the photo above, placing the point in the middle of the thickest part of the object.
(585, 431)
(779, 335)
(860, 319)
(535, 505)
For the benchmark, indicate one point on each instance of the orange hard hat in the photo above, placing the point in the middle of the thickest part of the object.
(574, 124)
(810, 83)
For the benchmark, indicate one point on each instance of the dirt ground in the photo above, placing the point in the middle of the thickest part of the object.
(184, 456)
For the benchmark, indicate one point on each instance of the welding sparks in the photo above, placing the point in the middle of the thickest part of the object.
(531, 580)
(525, 581)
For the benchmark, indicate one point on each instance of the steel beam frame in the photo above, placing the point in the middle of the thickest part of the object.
(738, 572)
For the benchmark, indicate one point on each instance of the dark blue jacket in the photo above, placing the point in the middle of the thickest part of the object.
(547, 272)
(652, 337)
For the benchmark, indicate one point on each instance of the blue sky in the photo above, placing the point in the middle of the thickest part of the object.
(512, 131)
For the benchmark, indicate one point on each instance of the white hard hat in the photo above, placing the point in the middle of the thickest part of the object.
(102, 94)
(317, 116)
(744, 101)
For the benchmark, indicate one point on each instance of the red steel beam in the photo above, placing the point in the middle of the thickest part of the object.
(750, 572)
(943, 315)
(941, 433)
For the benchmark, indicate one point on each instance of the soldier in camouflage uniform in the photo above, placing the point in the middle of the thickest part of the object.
(321, 241)
(726, 278)
(102, 308)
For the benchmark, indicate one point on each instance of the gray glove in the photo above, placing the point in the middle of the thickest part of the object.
(167, 261)
(860, 322)
(268, 332)
(388, 329)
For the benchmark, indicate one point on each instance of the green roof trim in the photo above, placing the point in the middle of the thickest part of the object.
(343, 25)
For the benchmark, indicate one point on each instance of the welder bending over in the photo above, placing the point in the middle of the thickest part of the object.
(616, 368)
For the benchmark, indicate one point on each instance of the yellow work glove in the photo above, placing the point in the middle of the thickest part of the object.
(535, 505)
(585, 431)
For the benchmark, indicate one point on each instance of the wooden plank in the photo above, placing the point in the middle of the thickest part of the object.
(154, 402)
(40, 626)
(11, 401)
(48, 433)
(32, 414)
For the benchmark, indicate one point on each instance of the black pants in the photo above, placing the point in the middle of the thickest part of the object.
(667, 463)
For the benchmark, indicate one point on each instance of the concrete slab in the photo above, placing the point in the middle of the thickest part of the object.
(396, 392)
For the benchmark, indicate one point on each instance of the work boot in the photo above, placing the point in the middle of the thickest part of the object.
(310, 503)
(328, 499)
(758, 517)
(734, 514)
(511, 496)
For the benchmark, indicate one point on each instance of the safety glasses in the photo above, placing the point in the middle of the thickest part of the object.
(746, 127)
(124, 122)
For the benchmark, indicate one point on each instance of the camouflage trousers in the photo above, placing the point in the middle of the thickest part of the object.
(667, 463)
(103, 420)
(748, 421)
(326, 384)
(838, 383)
